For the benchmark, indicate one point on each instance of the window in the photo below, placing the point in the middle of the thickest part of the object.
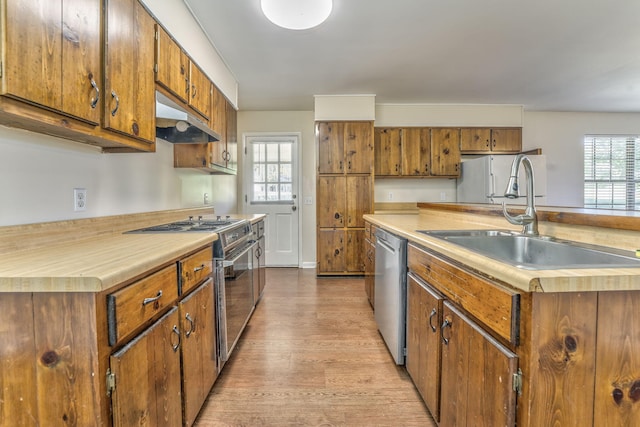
(612, 172)
(272, 171)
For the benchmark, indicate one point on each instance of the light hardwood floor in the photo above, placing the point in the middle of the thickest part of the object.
(311, 355)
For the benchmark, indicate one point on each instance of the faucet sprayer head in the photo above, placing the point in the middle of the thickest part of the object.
(511, 192)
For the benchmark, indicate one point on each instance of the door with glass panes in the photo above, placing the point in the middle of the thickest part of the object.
(271, 188)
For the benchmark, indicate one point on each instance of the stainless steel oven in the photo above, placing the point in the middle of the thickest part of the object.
(234, 268)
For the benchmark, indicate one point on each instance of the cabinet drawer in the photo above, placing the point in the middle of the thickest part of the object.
(494, 305)
(133, 306)
(195, 268)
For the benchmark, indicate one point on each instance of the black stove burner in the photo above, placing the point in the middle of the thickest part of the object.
(164, 227)
(190, 225)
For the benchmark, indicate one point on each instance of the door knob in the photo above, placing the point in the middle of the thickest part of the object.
(294, 208)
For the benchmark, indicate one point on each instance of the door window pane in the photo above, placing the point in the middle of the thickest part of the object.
(272, 171)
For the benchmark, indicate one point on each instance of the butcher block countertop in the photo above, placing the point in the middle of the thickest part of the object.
(93, 255)
(452, 217)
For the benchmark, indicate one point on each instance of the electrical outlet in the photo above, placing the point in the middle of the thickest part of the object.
(308, 200)
(79, 199)
(390, 195)
(206, 198)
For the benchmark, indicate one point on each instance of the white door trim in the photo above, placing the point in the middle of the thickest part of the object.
(245, 183)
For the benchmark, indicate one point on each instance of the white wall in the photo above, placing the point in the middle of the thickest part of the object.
(560, 135)
(285, 122)
(38, 174)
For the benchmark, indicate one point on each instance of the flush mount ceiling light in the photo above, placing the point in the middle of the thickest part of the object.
(297, 14)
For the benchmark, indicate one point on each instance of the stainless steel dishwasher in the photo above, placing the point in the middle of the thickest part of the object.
(391, 292)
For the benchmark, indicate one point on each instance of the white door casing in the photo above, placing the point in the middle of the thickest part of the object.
(271, 184)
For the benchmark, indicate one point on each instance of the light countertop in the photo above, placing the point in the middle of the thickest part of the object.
(565, 280)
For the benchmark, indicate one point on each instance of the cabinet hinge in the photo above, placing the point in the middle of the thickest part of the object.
(156, 35)
(111, 382)
(155, 68)
(246, 199)
(404, 351)
(1, 69)
(517, 382)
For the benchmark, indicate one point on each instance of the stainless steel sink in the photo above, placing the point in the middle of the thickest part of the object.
(536, 252)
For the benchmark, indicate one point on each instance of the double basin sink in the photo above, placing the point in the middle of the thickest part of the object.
(536, 252)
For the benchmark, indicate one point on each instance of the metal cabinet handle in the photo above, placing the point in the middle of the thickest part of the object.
(224, 154)
(445, 324)
(176, 331)
(94, 85)
(227, 157)
(433, 313)
(192, 325)
(154, 299)
(194, 90)
(195, 270)
(115, 96)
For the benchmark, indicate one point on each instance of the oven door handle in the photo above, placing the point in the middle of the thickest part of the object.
(229, 263)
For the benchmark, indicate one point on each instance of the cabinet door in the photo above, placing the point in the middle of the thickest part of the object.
(445, 152)
(232, 137)
(332, 206)
(477, 374)
(199, 362)
(218, 120)
(424, 317)
(358, 145)
(330, 147)
(387, 144)
(147, 377)
(199, 91)
(359, 199)
(52, 55)
(354, 256)
(506, 140)
(475, 139)
(129, 59)
(416, 152)
(369, 270)
(331, 257)
(171, 65)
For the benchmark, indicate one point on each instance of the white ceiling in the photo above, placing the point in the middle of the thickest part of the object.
(554, 55)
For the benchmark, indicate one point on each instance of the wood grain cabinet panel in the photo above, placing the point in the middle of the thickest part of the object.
(129, 70)
(490, 140)
(199, 91)
(51, 55)
(147, 377)
(332, 201)
(445, 152)
(194, 269)
(476, 372)
(387, 148)
(330, 147)
(198, 348)
(358, 145)
(331, 247)
(172, 65)
(416, 152)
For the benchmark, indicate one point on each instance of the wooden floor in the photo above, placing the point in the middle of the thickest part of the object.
(311, 355)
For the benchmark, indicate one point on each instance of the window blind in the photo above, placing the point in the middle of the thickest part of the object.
(612, 172)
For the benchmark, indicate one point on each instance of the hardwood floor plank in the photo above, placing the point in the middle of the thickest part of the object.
(311, 355)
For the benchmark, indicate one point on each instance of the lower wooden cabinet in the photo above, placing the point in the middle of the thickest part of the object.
(369, 270)
(423, 361)
(198, 349)
(147, 371)
(477, 372)
(340, 251)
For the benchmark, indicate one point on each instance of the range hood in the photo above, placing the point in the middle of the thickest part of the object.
(176, 125)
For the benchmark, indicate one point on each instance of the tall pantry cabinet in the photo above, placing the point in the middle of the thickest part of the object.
(344, 194)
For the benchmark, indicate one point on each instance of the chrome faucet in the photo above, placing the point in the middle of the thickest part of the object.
(528, 220)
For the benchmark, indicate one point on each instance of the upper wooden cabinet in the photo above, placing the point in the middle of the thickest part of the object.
(51, 55)
(345, 147)
(494, 140)
(181, 76)
(129, 76)
(417, 152)
(172, 65)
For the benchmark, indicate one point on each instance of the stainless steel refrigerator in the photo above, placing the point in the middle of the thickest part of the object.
(484, 179)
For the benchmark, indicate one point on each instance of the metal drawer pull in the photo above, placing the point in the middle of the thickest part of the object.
(446, 324)
(115, 96)
(176, 331)
(154, 299)
(195, 270)
(192, 325)
(433, 313)
(94, 101)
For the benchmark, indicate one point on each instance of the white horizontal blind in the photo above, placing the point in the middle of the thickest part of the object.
(612, 172)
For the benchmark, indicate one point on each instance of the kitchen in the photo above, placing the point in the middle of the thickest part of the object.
(39, 172)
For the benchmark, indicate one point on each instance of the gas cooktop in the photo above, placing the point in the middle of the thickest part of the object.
(192, 224)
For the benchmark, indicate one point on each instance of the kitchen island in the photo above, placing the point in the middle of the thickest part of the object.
(492, 344)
